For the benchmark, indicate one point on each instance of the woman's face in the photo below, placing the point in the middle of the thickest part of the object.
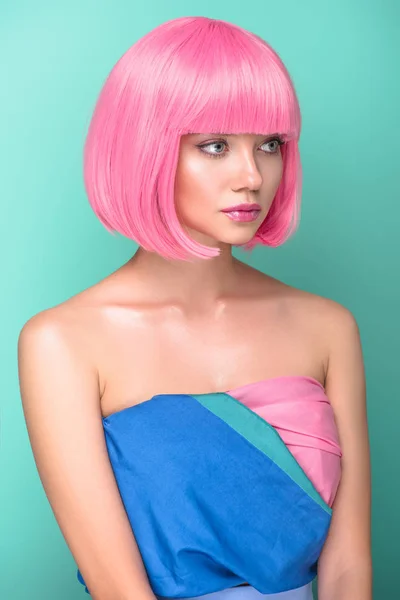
(215, 172)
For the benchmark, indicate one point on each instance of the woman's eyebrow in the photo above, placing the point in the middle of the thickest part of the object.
(262, 135)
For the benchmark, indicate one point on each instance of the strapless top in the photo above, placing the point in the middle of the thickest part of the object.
(229, 487)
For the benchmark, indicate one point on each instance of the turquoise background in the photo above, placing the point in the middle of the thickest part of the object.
(343, 57)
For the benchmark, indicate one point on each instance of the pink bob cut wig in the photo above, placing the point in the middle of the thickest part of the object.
(188, 75)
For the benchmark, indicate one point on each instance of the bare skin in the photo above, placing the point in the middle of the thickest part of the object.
(156, 326)
(142, 346)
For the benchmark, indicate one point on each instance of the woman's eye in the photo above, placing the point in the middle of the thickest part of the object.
(221, 144)
(277, 141)
(212, 154)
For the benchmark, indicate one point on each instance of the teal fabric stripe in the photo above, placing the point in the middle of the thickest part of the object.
(262, 435)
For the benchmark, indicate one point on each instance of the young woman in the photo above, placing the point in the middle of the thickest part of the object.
(200, 427)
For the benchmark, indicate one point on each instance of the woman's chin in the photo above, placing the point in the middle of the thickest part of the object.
(234, 236)
(239, 235)
(237, 238)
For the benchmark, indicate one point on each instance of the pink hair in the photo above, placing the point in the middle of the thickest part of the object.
(188, 75)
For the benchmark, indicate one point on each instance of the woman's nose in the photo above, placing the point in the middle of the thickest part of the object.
(247, 172)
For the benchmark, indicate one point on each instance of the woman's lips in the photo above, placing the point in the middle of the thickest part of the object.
(242, 215)
(243, 206)
(243, 212)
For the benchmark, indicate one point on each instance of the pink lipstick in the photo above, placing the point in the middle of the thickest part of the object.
(243, 212)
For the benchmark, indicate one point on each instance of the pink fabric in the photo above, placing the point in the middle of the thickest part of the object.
(299, 409)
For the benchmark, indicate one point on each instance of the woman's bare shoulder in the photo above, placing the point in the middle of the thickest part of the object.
(75, 322)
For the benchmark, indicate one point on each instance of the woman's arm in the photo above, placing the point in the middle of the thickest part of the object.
(61, 403)
(345, 565)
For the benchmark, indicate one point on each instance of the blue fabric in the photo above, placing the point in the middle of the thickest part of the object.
(249, 593)
(208, 509)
